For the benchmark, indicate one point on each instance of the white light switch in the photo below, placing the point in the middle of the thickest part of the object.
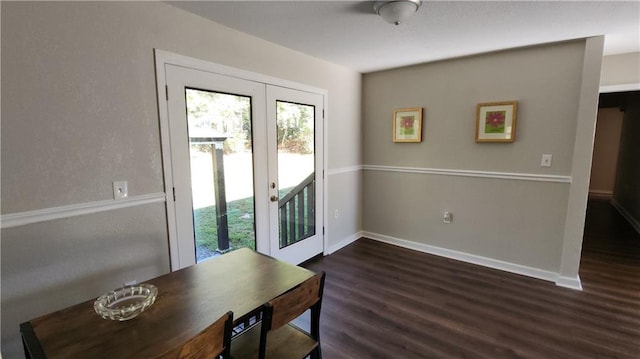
(546, 160)
(120, 190)
(447, 217)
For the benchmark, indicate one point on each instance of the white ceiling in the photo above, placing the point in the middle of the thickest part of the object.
(349, 33)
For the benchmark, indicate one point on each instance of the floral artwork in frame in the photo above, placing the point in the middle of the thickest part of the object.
(496, 121)
(407, 125)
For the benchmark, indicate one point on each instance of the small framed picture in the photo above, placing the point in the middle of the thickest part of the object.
(496, 121)
(407, 125)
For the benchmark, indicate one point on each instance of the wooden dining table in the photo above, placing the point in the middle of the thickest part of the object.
(188, 301)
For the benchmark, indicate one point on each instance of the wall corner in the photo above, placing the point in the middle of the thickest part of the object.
(582, 156)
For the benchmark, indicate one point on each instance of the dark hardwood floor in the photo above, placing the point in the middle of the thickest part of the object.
(382, 301)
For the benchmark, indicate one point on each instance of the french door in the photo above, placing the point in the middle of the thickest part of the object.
(294, 138)
(244, 164)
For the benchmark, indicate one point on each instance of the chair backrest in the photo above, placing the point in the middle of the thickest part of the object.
(213, 341)
(292, 304)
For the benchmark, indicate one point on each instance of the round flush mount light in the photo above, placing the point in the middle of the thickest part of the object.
(396, 11)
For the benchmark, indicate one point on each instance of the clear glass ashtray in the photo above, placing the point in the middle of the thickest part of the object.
(125, 303)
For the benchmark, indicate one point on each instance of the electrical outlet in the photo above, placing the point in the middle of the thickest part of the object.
(447, 217)
(546, 160)
(120, 190)
(336, 214)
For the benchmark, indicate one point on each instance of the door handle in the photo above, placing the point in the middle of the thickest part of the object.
(274, 198)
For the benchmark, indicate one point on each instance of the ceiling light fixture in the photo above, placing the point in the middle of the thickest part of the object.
(396, 11)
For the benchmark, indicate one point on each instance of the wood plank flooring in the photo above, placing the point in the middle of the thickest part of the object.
(382, 301)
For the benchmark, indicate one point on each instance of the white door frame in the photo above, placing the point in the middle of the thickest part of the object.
(163, 58)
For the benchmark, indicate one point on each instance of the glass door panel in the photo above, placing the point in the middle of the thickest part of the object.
(219, 130)
(296, 172)
(215, 160)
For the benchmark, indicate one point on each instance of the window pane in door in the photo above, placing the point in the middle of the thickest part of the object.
(220, 142)
(296, 172)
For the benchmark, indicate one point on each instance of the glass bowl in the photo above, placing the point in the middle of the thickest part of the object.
(125, 303)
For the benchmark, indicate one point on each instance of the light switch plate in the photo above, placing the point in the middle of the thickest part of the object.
(447, 217)
(120, 190)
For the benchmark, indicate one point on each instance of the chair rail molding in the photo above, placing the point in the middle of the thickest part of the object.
(336, 171)
(472, 173)
(73, 210)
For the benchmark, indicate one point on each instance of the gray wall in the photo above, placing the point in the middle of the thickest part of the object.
(79, 111)
(511, 222)
(627, 191)
(50, 265)
(621, 69)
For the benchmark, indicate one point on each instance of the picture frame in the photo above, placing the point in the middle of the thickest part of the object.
(496, 121)
(407, 125)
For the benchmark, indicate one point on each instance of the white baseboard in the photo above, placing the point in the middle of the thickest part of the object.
(569, 282)
(573, 283)
(595, 194)
(343, 243)
(634, 222)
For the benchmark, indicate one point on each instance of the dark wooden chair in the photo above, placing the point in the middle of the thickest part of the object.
(276, 337)
(213, 342)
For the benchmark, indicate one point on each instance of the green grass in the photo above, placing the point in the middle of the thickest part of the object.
(240, 218)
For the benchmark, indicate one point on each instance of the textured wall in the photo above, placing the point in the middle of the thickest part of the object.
(80, 109)
(50, 265)
(82, 92)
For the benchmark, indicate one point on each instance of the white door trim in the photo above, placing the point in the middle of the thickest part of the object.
(163, 58)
